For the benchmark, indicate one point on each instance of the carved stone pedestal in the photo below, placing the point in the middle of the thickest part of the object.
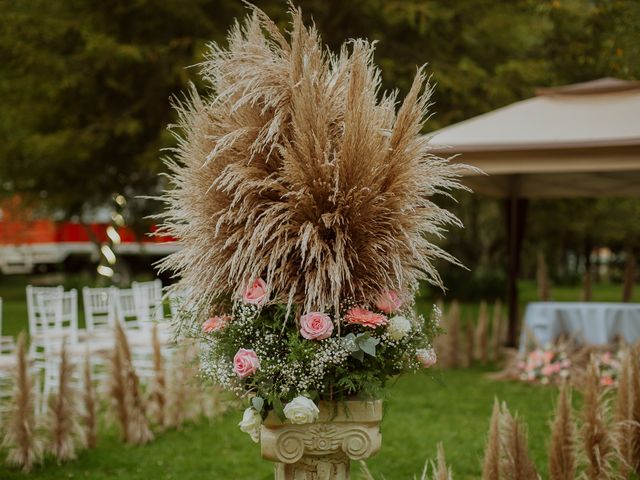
(323, 450)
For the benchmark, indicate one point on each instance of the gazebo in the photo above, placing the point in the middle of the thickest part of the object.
(580, 140)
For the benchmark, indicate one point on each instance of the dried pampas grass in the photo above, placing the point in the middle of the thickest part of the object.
(125, 391)
(21, 440)
(496, 331)
(516, 463)
(453, 335)
(562, 455)
(159, 386)
(440, 469)
(90, 407)
(482, 333)
(491, 464)
(297, 169)
(66, 433)
(597, 442)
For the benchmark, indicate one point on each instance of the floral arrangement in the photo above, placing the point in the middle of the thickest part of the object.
(608, 365)
(302, 198)
(545, 365)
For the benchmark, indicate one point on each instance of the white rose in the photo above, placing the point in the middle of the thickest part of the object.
(251, 422)
(398, 327)
(301, 410)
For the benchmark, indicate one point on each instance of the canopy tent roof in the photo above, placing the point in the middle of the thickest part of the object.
(579, 140)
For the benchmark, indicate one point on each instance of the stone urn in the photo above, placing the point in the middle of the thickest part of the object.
(323, 450)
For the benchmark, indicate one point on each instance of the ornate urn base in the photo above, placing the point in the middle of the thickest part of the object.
(323, 450)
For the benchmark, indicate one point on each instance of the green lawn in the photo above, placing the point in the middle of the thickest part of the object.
(453, 408)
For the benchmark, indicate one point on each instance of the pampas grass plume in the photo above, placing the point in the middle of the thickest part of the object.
(298, 169)
(516, 463)
(440, 469)
(491, 464)
(562, 455)
(482, 333)
(24, 447)
(453, 334)
(159, 387)
(89, 417)
(470, 342)
(596, 440)
(65, 431)
(496, 331)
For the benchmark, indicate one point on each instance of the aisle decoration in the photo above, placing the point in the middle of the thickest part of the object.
(303, 203)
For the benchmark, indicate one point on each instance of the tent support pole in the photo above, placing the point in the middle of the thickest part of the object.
(516, 209)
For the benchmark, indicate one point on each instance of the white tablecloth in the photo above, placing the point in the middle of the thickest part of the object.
(586, 322)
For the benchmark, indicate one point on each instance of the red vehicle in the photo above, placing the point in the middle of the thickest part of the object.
(29, 243)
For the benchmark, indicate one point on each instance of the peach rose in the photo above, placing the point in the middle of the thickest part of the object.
(388, 301)
(245, 363)
(366, 318)
(427, 357)
(215, 323)
(256, 293)
(316, 326)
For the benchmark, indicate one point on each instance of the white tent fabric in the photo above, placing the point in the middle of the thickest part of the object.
(577, 140)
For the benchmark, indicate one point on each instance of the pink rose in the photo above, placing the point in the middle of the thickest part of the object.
(607, 381)
(365, 318)
(245, 363)
(315, 326)
(388, 301)
(427, 357)
(256, 293)
(215, 323)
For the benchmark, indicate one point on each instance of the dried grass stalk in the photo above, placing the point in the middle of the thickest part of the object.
(562, 455)
(453, 334)
(118, 386)
(496, 331)
(516, 464)
(491, 464)
(125, 390)
(634, 408)
(177, 392)
(299, 170)
(596, 439)
(89, 417)
(24, 447)
(440, 469)
(482, 333)
(159, 387)
(470, 334)
(66, 433)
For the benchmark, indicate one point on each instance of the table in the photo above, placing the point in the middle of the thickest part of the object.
(586, 322)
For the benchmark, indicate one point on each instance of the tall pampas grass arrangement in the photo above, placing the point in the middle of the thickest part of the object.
(24, 448)
(496, 331)
(298, 170)
(130, 407)
(159, 386)
(491, 463)
(470, 342)
(453, 335)
(516, 464)
(597, 443)
(482, 333)
(634, 408)
(90, 406)
(118, 386)
(562, 455)
(66, 433)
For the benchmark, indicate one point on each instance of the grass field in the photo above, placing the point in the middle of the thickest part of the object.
(452, 407)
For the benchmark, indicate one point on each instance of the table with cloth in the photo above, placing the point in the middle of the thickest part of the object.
(585, 322)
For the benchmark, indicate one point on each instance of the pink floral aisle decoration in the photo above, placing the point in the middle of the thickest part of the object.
(302, 197)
